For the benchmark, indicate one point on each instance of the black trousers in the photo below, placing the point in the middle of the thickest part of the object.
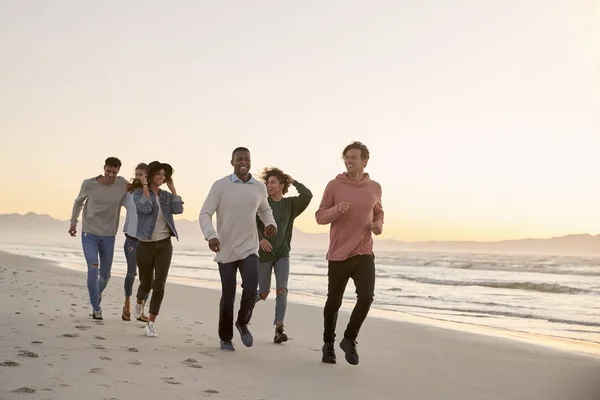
(153, 260)
(249, 271)
(361, 269)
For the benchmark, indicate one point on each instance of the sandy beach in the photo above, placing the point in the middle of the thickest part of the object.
(50, 348)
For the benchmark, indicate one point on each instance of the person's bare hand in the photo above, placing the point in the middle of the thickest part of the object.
(270, 231)
(73, 230)
(143, 180)
(214, 245)
(290, 179)
(171, 185)
(377, 228)
(343, 207)
(265, 245)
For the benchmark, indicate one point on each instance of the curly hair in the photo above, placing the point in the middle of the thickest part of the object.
(278, 174)
(364, 150)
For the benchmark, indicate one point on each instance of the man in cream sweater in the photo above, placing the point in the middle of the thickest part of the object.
(236, 198)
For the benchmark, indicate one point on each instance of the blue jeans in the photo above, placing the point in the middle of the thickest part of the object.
(282, 273)
(95, 247)
(130, 248)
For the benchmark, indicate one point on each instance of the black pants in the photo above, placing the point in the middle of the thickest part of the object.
(361, 269)
(249, 271)
(153, 260)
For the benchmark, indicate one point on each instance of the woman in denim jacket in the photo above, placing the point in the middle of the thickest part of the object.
(155, 208)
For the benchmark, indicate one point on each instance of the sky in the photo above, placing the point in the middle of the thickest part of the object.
(482, 117)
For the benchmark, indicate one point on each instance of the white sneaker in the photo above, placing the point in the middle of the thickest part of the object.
(150, 331)
(139, 308)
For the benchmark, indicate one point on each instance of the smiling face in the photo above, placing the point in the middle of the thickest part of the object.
(139, 173)
(110, 173)
(241, 163)
(274, 187)
(354, 162)
(159, 178)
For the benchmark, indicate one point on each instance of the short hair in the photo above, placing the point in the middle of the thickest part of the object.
(278, 174)
(239, 149)
(364, 151)
(112, 162)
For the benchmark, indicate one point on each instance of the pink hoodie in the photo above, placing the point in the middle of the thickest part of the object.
(350, 233)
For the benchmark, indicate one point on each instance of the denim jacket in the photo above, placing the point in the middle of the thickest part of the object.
(148, 213)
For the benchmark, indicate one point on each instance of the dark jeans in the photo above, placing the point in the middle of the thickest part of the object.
(249, 271)
(130, 247)
(361, 269)
(153, 258)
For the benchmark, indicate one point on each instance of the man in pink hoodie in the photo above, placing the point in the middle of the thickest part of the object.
(352, 205)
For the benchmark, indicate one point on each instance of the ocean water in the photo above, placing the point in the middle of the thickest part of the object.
(550, 295)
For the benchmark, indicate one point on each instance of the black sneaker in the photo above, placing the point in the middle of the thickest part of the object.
(328, 353)
(349, 347)
(280, 337)
(97, 315)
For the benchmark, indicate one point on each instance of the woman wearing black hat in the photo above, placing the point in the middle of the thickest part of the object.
(155, 227)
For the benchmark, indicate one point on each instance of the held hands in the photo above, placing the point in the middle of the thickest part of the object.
(214, 245)
(343, 207)
(73, 230)
(265, 245)
(270, 231)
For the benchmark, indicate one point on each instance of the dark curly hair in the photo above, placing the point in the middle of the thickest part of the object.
(278, 174)
(152, 169)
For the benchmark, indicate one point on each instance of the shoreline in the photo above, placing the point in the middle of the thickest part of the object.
(49, 345)
(582, 347)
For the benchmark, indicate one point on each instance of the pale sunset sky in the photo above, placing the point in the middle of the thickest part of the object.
(482, 117)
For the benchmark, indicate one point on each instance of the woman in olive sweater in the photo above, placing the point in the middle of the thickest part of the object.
(274, 252)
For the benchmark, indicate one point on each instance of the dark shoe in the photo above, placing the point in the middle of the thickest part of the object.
(247, 338)
(328, 353)
(227, 345)
(97, 315)
(280, 337)
(349, 347)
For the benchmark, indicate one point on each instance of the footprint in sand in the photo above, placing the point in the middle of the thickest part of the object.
(171, 381)
(134, 362)
(26, 353)
(9, 364)
(132, 350)
(83, 327)
(98, 347)
(212, 391)
(198, 322)
(37, 342)
(71, 335)
(192, 363)
(99, 337)
(97, 371)
(106, 358)
(24, 390)
(40, 324)
(188, 341)
(18, 312)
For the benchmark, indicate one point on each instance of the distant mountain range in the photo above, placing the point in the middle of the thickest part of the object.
(31, 227)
